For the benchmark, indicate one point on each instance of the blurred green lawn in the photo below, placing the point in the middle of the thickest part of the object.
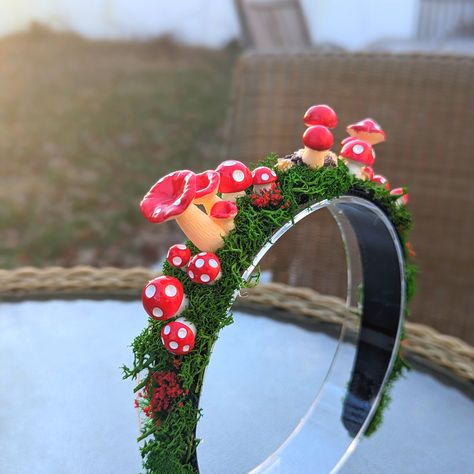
(86, 127)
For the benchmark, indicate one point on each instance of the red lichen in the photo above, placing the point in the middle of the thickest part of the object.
(270, 198)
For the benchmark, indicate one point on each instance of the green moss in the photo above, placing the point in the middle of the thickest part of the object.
(170, 446)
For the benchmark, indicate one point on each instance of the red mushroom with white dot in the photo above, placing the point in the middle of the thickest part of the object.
(178, 256)
(207, 185)
(163, 298)
(403, 196)
(172, 198)
(357, 155)
(317, 141)
(368, 130)
(263, 177)
(320, 114)
(204, 268)
(223, 214)
(178, 337)
(381, 181)
(235, 179)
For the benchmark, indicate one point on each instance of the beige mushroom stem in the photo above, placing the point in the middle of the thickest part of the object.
(208, 202)
(226, 225)
(200, 229)
(372, 138)
(315, 158)
(355, 168)
(232, 196)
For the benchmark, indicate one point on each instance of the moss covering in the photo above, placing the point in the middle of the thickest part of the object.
(169, 444)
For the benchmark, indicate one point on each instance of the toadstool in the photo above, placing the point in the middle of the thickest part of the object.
(381, 180)
(178, 256)
(320, 115)
(172, 198)
(367, 173)
(223, 214)
(317, 141)
(235, 179)
(368, 130)
(164, 298)
(204, 268)
(178, 336)
(207, 185)
(357, 154)
(263, 177)
(403, 196)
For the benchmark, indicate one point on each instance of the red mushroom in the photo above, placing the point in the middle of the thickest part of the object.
(172, 198)
(347, 140)
(235, 179)
(223, 214)
(178, 256)
(367, 173)
(381, 180)
(179, 336)
(403, 199)
(368, 130)
(207, 185)
(263, 177)
(357, 154)
(164, 298)
(320, 115)
(317, 141)
(204, 268)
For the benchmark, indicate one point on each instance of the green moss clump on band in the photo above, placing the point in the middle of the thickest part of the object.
(169, 444)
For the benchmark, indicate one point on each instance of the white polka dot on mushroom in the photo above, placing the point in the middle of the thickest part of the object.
(157, 312)
(167, 329)
(181, 247)
(357, 149)
(265, 177)
(171, 291)
(173, 345)
(199, 263)
(185, 348)
(238, 176)
(229, 163)
(182, 333)
(150, 291)
(202, 254)
(191, 274)
(177, 261)
(162, 341)
(205, 278)
(213, 263)
(177, 202)
(273, 173)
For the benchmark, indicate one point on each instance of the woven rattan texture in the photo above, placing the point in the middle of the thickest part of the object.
(447, 352)
(426, 105)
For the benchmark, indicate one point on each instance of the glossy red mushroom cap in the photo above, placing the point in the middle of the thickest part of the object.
(347, 140)
(318, 138)
(320, 115)
(163, 297)
(178, 255)
(204, 268)
(360, 151)
(382, 181)
(403, 199)
(369, 126)
(263, 175)
(178, 337)
(169, 197)
(207, 183)
(368, 172)
(224, 210)
(235, 177)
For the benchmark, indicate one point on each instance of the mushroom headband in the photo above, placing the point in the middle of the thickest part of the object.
(232, 216)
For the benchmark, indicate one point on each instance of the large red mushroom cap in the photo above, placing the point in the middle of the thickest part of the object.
(381, 180)
(169, 197)
(403, 199)
(320, 115)
(367, 129)
(235, 177)
(318, 138)
(358, 150)
(224, 210)
(204, 268)
(163, 298)
(178, 255)
(207, 183)
(179, 336)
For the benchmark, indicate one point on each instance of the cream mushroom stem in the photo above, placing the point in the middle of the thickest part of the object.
(226, 224)
(317, 159)
(200, 229)
(232, 196)
(355, 168)
(208, 202)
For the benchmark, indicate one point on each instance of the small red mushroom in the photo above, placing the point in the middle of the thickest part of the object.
(368, 130)
(172, 198)
(263, 177)
(320, 115)
(317, 140)
(235, 179)
(178, 337)
(223, 214)
(178, 256)
(367, 173)
(381, 180)
(204, 268)
(403, 199)
(357, 154)
(164, 298)
(347, 140)
(207, 185)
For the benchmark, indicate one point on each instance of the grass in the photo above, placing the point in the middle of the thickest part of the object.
(85, 127)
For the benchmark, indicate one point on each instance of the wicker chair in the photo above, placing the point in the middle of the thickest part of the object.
(426, 103)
